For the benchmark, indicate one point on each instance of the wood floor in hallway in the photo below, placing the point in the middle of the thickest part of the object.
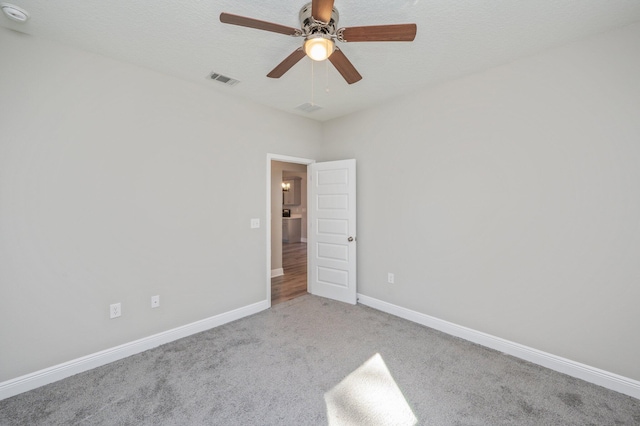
(294, 281)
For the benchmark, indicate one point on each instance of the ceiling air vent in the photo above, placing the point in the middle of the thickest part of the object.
(223, 79)
(308, 107)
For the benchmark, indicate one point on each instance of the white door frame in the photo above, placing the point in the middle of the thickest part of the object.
(285, 159)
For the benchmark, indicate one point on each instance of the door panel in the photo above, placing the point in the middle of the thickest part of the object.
(333, 251)
(332, 239)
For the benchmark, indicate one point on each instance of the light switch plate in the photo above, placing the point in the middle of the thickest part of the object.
(255, 223)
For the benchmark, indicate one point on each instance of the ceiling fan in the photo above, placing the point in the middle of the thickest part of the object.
(319, 27)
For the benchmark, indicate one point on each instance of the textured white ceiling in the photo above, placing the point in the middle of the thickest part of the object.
(187, 40)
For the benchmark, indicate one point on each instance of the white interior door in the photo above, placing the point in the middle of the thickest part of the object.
(332, 233)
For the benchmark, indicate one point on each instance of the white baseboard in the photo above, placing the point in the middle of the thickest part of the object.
(58, 372)
(587, 373)
(277, 272)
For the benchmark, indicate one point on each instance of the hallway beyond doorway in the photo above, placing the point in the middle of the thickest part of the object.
(294, 281)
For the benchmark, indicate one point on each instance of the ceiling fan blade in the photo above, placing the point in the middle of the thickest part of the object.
(321, 10)
(286, 65)
(344, 67)
(228, 18)
(398, 32)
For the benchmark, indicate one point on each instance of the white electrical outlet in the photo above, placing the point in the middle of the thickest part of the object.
(391, 278)
(115, 310)
(155, 301)
(255, 223)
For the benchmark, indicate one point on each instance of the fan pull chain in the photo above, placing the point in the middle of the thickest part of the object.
(312, 78)
(326, 70)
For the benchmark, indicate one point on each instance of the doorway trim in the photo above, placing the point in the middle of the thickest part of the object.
(285, 159)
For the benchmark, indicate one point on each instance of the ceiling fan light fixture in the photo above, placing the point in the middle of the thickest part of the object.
(319, 47)
(319, 27)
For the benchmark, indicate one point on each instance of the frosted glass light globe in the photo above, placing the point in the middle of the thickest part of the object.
(318, 48)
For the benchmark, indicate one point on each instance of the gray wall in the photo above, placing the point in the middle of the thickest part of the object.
(116, 184)
(508, 201)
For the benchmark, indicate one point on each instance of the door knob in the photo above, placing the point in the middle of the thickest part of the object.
(350, 239)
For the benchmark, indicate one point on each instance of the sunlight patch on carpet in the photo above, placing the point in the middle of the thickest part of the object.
(368, 396)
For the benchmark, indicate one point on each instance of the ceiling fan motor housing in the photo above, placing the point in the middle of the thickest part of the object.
(310, 26)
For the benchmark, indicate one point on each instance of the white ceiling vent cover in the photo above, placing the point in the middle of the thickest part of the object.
(308, 107)
(223, 79)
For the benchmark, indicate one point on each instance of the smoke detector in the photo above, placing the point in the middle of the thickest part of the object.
(14, 12)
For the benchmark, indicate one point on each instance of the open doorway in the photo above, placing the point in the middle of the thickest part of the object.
(290, 281)
(331, 259)
(287, 242)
